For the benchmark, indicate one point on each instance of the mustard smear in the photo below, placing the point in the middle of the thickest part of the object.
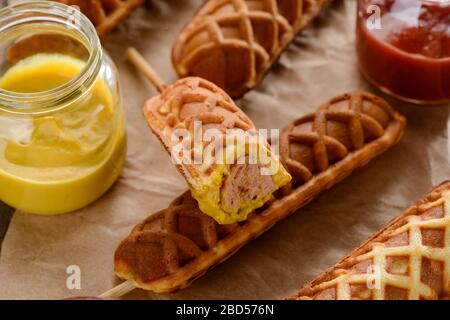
(62, 161)
(208, 189)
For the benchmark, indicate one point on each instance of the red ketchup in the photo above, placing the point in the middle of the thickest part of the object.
(404, 47)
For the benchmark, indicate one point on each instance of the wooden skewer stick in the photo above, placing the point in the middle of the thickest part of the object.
(142, 66)
(147, 71)
(118, 291)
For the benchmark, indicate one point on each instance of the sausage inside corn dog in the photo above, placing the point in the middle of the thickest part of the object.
(175, 246)
(409, 259)
(234, 43)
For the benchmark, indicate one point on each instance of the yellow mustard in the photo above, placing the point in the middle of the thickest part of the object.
(61, 161)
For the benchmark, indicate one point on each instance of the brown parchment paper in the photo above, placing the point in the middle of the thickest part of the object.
(319, 65)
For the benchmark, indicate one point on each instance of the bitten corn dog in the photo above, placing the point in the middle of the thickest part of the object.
(233, 43)
(230, 170)
(105, 15)
(409, 259)
(177, 245)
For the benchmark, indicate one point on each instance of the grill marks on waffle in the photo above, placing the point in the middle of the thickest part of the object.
(105, 14)
(411, 260)
(170, 239)
(192, 100)
(311, 144)
(242, 38)
(183, 222)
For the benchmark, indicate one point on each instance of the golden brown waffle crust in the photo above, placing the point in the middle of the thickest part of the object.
(166, 113)
(278, 210)
(317, 6)
(308, 290)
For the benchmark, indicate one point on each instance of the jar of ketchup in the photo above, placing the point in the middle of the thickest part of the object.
(404, 48)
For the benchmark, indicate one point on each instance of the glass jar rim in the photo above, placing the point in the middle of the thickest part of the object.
(59, 97)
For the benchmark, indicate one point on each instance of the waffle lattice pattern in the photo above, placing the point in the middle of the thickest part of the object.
(234, 42)
(169, 239)
(173, 247)
(410, 260)
(311, 144)
(217, 109)
(216, 148)
(105, 14)
(192, 100)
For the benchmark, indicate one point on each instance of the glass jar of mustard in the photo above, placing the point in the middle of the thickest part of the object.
(62, 133)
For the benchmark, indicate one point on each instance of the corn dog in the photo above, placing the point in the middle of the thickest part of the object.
(409, 259)
(177, 245)
(234, 43)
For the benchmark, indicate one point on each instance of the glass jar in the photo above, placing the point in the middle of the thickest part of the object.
(404, 48)
(62, 133)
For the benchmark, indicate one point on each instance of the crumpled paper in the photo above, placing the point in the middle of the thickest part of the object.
(320, 64)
